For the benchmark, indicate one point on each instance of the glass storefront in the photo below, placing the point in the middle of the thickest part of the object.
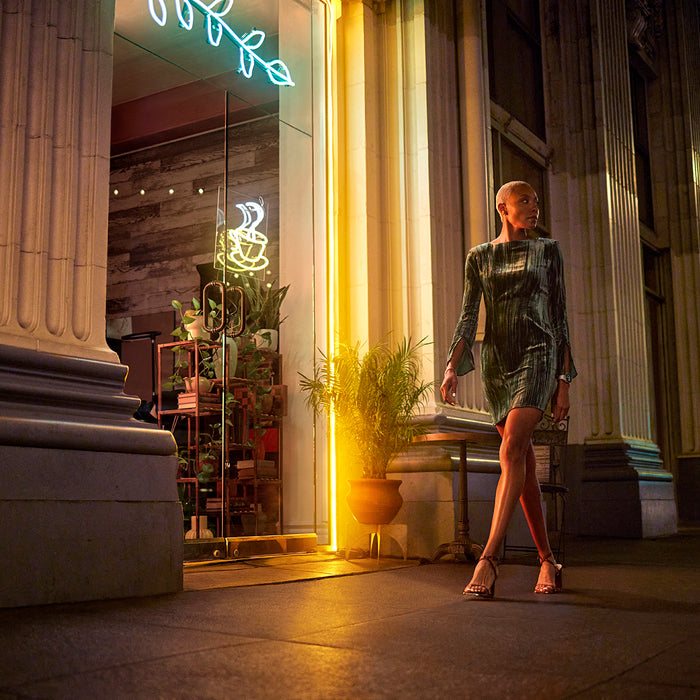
(219, 160)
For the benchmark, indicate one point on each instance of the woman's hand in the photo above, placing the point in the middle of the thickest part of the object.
(560, 401)
(448, 388)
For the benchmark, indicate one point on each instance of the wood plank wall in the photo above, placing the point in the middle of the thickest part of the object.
(157, 239)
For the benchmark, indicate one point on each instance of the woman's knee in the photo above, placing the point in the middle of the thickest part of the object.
(515, 448)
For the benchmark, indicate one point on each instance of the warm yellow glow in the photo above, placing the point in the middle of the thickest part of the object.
(331, 298)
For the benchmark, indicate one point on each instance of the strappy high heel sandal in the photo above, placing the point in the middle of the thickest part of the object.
(479, 590)
(549, 587)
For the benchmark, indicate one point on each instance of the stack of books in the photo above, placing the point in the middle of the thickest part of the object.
(207, 402)
(256, 468)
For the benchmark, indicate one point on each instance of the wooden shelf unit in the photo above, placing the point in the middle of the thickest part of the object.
(241, 506)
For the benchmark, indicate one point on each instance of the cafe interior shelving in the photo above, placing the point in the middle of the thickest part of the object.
(241, 420)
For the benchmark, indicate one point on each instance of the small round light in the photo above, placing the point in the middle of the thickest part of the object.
(201, 190)
(142, 191)
(116, 192)
(171, 191)
(269, 285)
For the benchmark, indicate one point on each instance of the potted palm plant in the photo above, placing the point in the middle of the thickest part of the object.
(374, 397)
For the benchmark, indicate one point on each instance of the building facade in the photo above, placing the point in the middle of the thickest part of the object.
(414, 113)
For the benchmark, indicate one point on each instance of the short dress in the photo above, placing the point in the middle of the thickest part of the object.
(527, 332)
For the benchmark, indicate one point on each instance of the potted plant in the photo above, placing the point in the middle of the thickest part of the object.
(264, 304)
(190, 326)
(374, 397)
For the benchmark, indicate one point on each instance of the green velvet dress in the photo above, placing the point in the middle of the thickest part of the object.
(527, 332)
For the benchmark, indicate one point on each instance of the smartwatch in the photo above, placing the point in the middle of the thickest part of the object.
(565, 377)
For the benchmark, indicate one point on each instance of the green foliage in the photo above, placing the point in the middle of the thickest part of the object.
(374, 397)
(253, 365)
(264, 304)
(207, 357)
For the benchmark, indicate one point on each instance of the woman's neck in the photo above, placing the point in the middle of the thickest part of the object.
(511, 233)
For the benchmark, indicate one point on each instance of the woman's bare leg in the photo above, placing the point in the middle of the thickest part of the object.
(516, 436)
(531, 501)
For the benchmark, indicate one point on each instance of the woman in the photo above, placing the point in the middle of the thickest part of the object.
(526, 361)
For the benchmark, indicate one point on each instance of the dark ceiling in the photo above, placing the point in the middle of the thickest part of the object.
(169, 82)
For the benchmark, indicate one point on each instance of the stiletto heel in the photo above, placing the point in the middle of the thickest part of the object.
(550, 587)
(479, 590)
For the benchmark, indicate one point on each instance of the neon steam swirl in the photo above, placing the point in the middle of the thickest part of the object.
(246, 245)
(216, 27)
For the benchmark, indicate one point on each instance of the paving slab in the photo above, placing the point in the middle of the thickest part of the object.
(625, 627)
(282, 569)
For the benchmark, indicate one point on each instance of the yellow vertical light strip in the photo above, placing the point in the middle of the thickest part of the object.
(331, 272)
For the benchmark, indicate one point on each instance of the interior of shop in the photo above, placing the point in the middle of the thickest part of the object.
(212, 118)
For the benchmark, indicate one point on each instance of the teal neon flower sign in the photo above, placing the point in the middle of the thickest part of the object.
(217, 28)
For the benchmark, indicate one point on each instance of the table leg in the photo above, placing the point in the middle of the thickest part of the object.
(462, 546)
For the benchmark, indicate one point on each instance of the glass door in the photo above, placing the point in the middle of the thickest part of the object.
(218, 173)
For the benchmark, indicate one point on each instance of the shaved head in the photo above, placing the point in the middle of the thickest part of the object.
(505, 191)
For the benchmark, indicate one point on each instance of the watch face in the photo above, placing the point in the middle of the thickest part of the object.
(568, 378)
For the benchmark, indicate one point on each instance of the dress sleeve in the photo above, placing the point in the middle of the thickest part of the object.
(466, 326)
(560, 324)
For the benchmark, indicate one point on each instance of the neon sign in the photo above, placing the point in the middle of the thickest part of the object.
(216, 27)
(244, 251)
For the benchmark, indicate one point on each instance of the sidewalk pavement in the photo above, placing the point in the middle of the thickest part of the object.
(627, 625)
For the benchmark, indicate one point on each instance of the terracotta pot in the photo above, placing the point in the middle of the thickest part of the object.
(374, 501)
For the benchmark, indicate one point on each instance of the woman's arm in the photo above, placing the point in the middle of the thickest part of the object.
(564, 361)
(560, 399)
(460, 358)
(565, 369)
(448, 388)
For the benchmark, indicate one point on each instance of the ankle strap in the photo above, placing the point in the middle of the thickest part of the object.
(493, 562)
(550, 558)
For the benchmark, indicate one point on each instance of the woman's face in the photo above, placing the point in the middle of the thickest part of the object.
(521, 208)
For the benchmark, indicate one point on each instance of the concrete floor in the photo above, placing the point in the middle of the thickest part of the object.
(626, 626)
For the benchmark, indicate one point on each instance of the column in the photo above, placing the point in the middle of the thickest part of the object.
(624, 490)
(89, 502)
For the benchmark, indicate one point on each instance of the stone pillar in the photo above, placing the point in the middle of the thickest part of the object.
(625, 490)
(89, 501)
(675, 133)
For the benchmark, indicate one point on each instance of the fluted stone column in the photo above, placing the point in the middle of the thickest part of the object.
(625, 490)
(675, 136)
(89, 504)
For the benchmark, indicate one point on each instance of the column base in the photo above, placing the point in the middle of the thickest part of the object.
(80, 525)
(88, 498)
(626, 492)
